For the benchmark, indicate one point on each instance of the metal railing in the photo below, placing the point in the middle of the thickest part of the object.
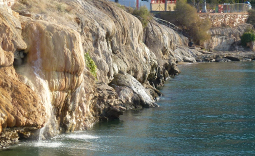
(166, 23)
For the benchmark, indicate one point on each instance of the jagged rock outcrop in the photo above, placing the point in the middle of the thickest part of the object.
(55, 80)
(19, 104)
(108, 105)
(162, 41)
(226, 38)
(226, 56)
(132, 92)
(115, 39)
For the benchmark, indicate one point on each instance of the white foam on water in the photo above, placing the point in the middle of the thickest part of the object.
(48, 144)
(82, 136)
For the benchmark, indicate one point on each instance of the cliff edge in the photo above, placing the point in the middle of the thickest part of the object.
(47, 52)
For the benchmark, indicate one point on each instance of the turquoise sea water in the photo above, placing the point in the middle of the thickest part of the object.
(209, 109)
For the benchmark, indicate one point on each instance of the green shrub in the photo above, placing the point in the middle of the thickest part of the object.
(143, 14)
(186, 18)
(90, 64)
(60, 7)
(247, 37)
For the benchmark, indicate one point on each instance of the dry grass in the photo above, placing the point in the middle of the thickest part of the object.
(42, 6)
(54, 11)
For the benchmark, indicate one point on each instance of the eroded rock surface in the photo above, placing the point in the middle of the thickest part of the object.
(132, 91)
(54, 88)
(19, 104)
(226, 38)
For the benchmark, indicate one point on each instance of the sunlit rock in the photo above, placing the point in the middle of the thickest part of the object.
(130, 87)
(19, 105)
(59, 51)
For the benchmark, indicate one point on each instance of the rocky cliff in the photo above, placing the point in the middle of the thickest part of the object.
(226, 38)
(45, 81)
(20, 105)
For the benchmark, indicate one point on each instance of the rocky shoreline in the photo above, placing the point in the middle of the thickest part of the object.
(226, 56)
(47, 86)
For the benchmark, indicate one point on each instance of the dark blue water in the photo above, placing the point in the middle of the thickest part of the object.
(209, 109)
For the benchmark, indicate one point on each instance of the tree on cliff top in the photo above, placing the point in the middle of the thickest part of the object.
(185, 16)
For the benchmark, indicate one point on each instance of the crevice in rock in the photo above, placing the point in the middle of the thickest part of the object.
(20, 58)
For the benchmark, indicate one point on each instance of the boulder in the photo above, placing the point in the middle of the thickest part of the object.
(251, 45)
(132, 91)
(108, 105)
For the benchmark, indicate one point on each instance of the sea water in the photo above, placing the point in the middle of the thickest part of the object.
(209, 109)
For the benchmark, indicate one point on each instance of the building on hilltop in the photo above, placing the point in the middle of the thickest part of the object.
(160, 5)
(152, 5)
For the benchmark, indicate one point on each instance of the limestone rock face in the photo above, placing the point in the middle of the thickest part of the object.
(10, 37)
(19, 105)
(61, 86)
(164, 43)
(183, 54)
(57, 51)
(224, 39)
(252, 45)
(6, 3)
(132, 91)
(115, 40)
